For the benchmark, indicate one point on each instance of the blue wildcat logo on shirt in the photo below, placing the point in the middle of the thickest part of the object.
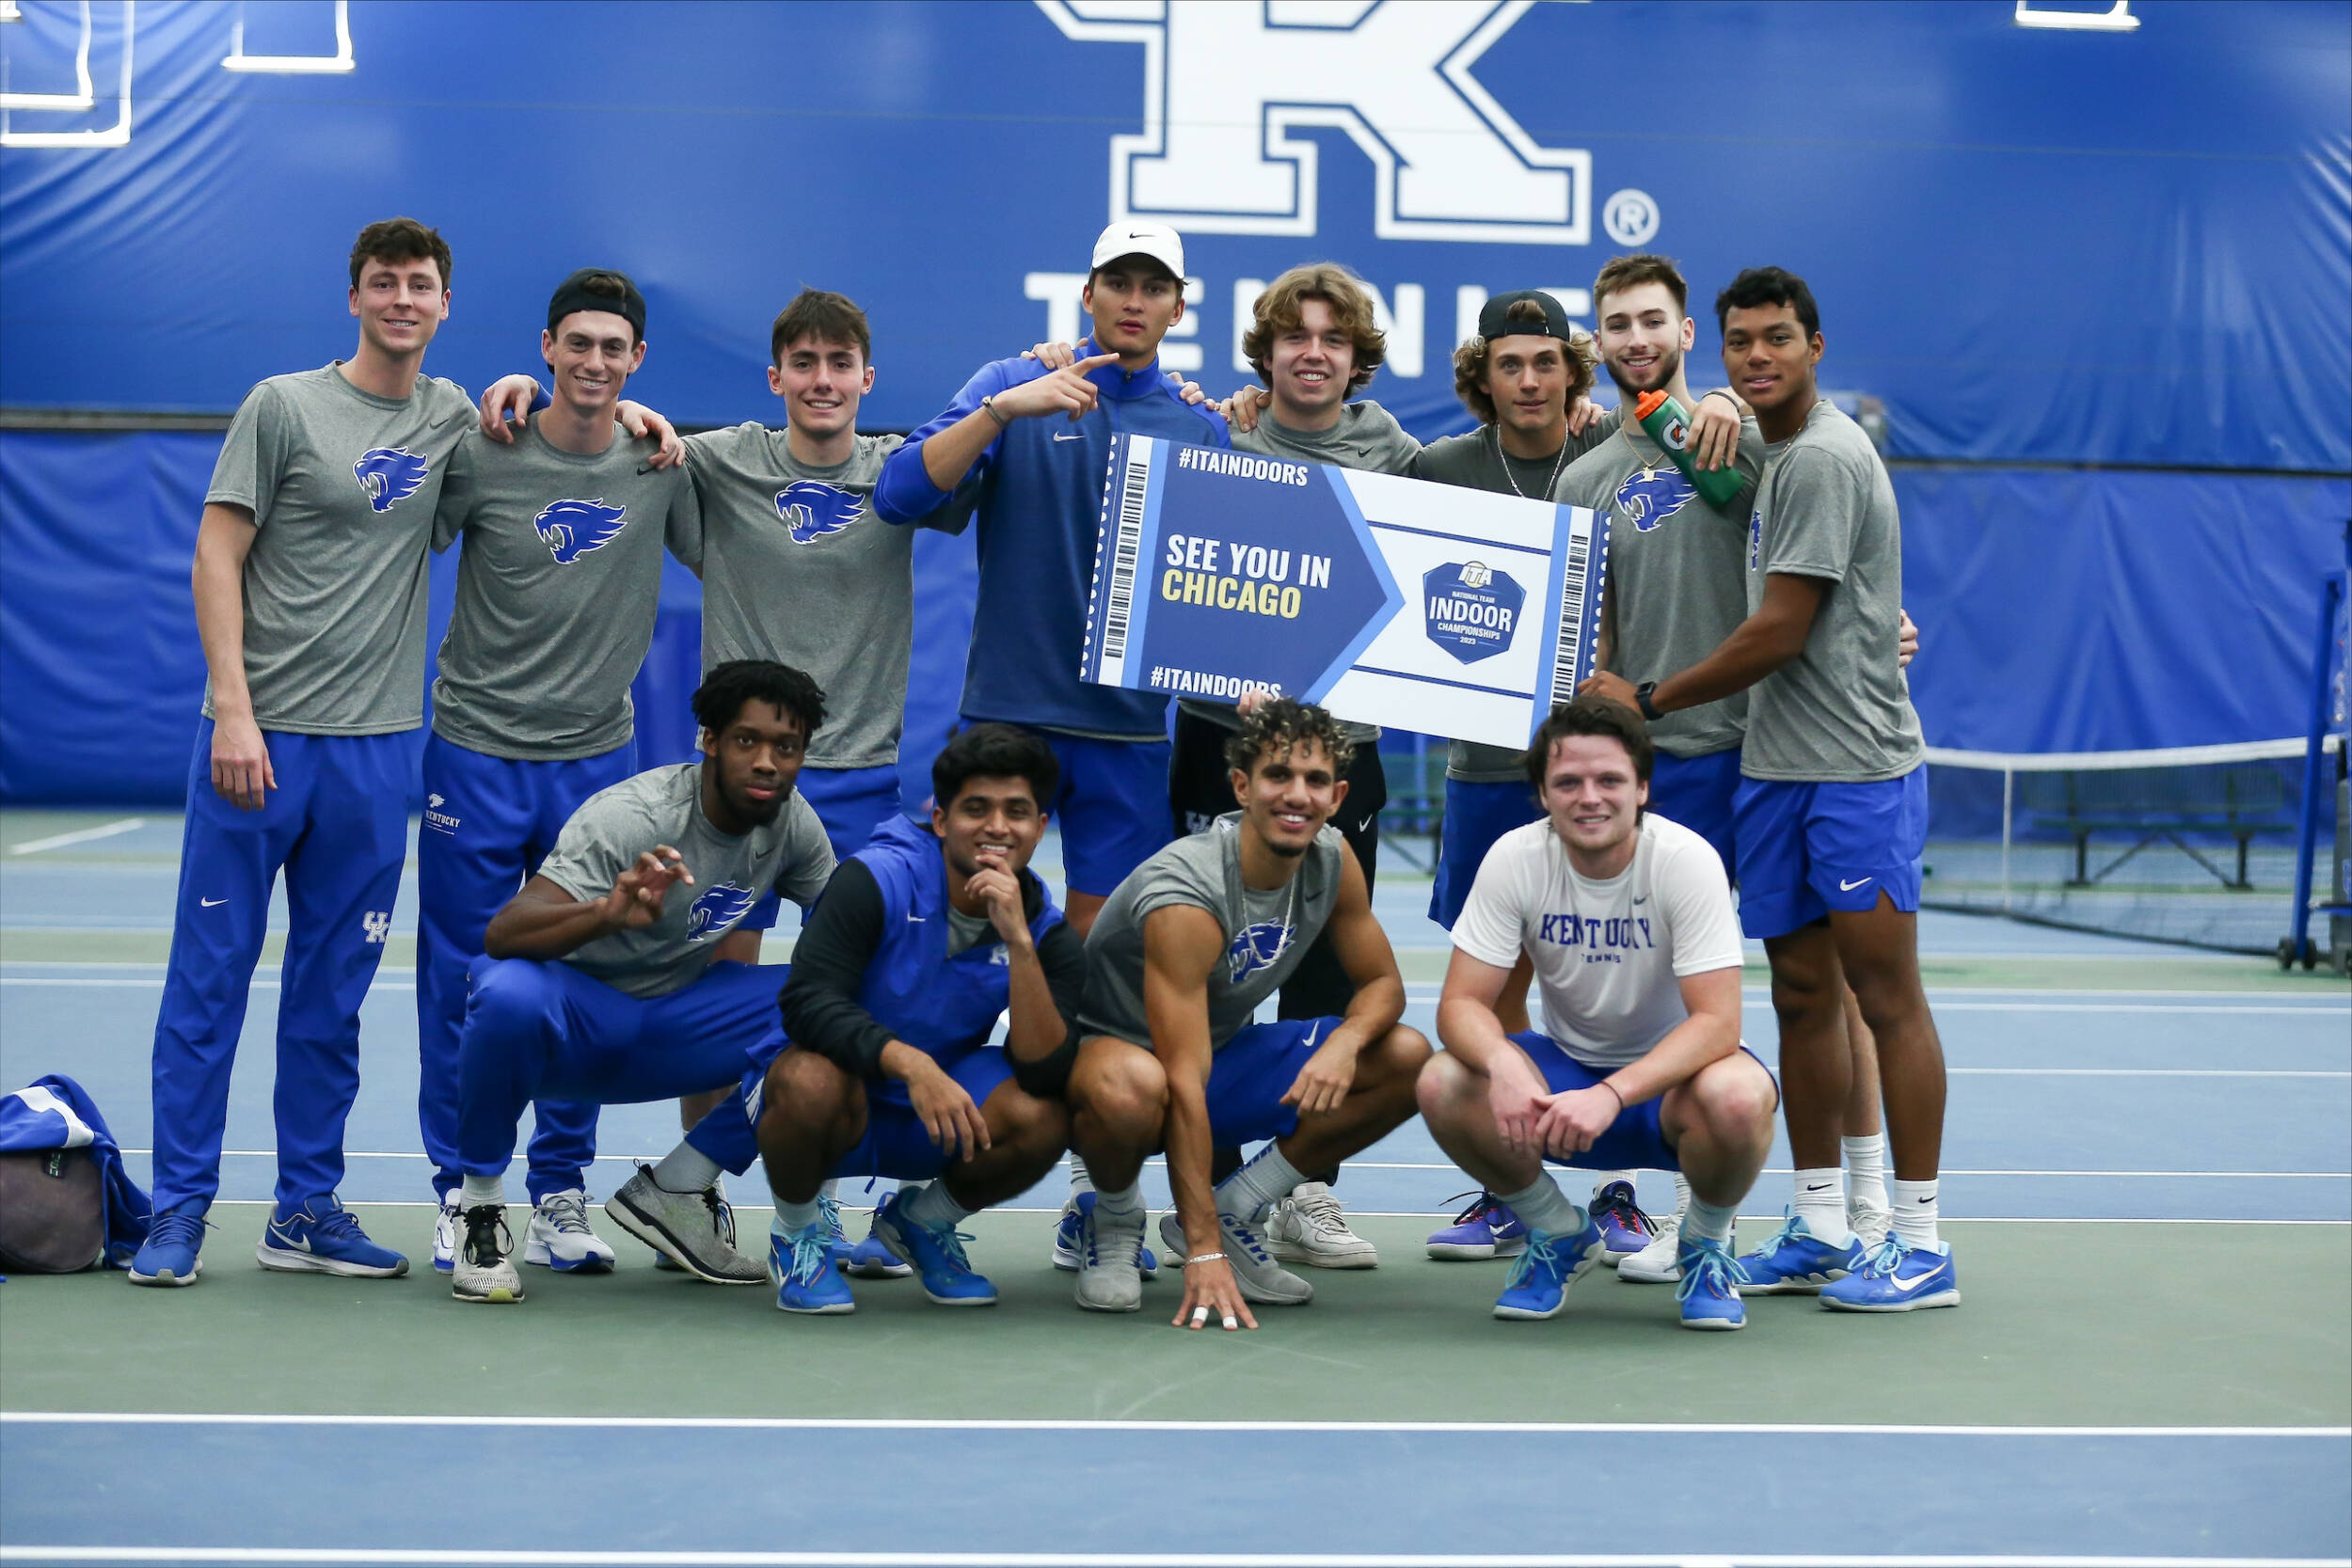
(1756, 537)
(717, 912)
(572, 529)
(813, 510)
(1256, 947)
(389, 474)
(1647, 499)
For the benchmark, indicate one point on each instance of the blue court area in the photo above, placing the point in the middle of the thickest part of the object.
(2147, 1180)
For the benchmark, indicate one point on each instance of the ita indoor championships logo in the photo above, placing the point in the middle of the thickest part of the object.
(1472, 610)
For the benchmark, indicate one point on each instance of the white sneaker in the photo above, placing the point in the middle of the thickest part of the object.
(559, 1236)
(1658, 1263)
(1308, 1227)
(445, 1229)
(1870, 1223)
(484, 1269)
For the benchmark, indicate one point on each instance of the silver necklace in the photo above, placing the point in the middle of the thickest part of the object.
(1503, 458)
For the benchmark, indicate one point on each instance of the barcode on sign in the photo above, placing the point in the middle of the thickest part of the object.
(1126, 547)
(1570, 651)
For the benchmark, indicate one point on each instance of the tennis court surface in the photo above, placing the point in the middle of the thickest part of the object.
(2147, 1180)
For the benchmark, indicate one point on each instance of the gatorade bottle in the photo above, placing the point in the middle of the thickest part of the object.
(1668, 425)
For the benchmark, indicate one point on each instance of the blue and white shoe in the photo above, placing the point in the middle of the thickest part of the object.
(169, 1256)
(321, 1237)
(1709, 1288)
(447, 1223)
(1795, 1262)
(801, 1268)
(949, 1278)
(1539, 1282)
(1623, 1225)
(1486, 1229)
(869, 1258)
(1069, 1239)
(1898, 1277)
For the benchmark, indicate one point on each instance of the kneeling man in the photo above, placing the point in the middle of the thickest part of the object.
(1179, 960)
(608, 980)
(1629, 923)
(883, 1067)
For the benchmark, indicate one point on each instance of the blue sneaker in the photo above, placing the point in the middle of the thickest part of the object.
(1710, 1291)
(169, 1256)
(871, 1259)
(949, 1278)
(1538, 1286)
(1069, 1247)
(801, 1268)
(1898, 1277)
(1486, 1229)
(321, 1237)
(1793, 1262)
(1622, 1226)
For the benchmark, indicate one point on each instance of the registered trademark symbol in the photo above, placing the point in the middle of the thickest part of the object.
(1630, 217)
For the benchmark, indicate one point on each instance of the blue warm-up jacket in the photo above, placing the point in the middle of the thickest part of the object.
(1041, 508)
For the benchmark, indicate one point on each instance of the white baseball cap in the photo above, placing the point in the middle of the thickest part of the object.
(1134, 237)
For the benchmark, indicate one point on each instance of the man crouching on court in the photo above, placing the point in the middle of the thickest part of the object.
(1627, 920)
(1180, 957)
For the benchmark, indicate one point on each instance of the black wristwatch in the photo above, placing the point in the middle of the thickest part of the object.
(1641, 700)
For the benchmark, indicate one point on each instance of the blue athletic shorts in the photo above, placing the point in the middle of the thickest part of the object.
(1634, 1141)
(1808, 848)
(897, 1144)
(1698, 794)
(1475, 815)
(1253, 1070)
(1112, 808)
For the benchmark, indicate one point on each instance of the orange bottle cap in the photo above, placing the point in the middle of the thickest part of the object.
(1647, 404)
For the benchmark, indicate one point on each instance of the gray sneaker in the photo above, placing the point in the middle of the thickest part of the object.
(1262, 1279)
(483, 1269)
(695, 1231)
(1109, 1253)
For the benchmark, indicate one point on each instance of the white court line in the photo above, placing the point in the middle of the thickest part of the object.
(397, 1557)
(83, 835)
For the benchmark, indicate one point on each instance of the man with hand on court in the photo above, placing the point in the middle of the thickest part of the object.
(557, 588)
(1830, 814)
(1627, 920)
(1166, 1055)
(1038, 442)
(605, 980)
(883, 1067)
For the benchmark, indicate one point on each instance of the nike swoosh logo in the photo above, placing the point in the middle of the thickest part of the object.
(646, 469)
(1643, 899)
(209, 903)
(914, 920)
(1907, 1286)
(1822, 1187)
(1845, 886)
(1074, 435)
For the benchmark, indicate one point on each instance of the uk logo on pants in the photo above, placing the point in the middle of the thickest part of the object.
(377, 924)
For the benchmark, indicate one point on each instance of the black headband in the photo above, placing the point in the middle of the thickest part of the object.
(574, 294)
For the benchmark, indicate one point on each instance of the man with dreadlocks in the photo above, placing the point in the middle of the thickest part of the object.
(1182, 953)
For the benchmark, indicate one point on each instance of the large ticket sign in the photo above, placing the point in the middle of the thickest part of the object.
(1390, 601)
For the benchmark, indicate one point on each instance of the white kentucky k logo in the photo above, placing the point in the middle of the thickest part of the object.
(377, 924)
(1226, 84)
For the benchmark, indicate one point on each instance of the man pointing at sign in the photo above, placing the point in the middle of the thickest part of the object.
(1041, 495)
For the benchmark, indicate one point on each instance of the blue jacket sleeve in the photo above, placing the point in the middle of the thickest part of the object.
(904, 493)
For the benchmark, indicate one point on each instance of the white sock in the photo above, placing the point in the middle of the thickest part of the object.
(1544, 1206)
(792, 1218)
(1916, 1208)
(1682, 1194)
(1710, 1222)
(1602, 1179)
(1866, 1170)
(1264, 1181)
(1128, 1200)
(1079, 1181)
(1822, 1201)
(480, 1190)
(832, 1188)
(685, 1169)
(932, 1206)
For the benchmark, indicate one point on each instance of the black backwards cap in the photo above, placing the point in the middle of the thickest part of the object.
(573, 293)
(1494, 317)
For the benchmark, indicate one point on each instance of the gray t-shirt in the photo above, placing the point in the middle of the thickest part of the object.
(1476, 459)
(1841, 709)
(797, 568)
(1366, 438)
(1677, 581)
(341, 485)
(557, 589)
(614, 826)
(1267, 934)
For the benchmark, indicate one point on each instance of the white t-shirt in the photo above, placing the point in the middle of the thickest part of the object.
(1608, 954)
